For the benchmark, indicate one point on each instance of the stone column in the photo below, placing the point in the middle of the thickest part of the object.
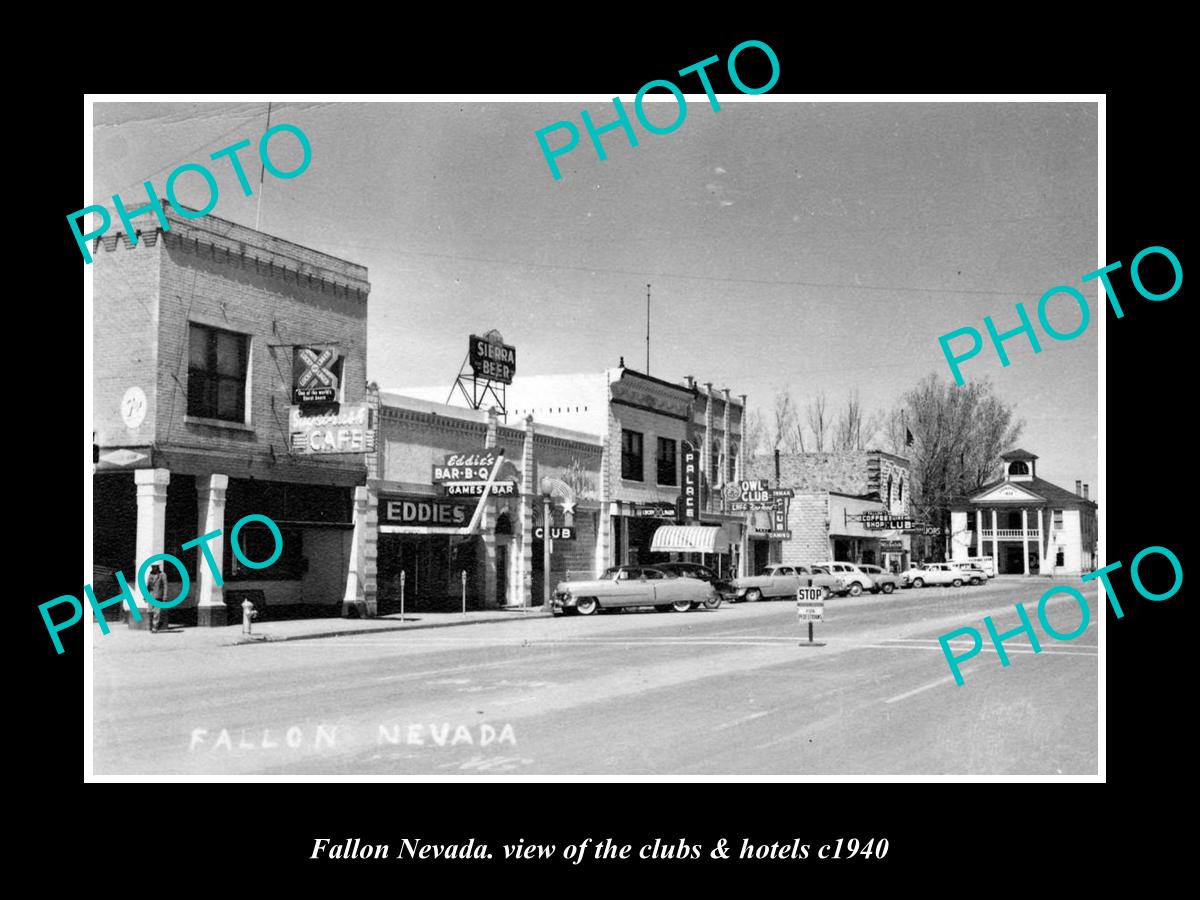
(1041, 544)
(995, 544)
(741, 457)
(355, 595)
(979, 532)
(706, 453)
(487, 523)
(1025, 539)
(210, 497)
(604, 522)
(725, 426)
(151, 530)
(521, 584)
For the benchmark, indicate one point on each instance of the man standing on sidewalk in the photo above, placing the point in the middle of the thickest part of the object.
(157, 585)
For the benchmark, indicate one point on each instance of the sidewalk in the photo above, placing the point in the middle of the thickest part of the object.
(310, 629)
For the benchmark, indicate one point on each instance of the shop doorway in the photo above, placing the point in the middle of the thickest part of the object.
(1012, 561)
(761, 556)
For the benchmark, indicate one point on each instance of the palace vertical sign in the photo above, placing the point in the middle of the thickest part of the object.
(691, 483)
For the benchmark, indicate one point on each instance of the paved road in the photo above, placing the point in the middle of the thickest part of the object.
(708, 692)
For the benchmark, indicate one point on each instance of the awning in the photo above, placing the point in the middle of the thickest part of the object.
(690, 539)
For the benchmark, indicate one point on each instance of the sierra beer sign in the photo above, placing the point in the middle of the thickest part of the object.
(492, 359)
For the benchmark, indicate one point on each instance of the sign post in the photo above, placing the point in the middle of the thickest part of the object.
(464, 584)
(402, 575)
(810, 607)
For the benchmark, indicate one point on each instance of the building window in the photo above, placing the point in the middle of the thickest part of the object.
(732, 463)
(900, 490)
(631, 455)
(217, 373)
(888, 501)
(714, 468)
(257, 544)
(1058, 558)
(666, 462)
(1058, 520)
(1017, 467)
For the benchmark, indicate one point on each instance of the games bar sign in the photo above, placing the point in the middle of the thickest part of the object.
(492, 359)
(466, 475)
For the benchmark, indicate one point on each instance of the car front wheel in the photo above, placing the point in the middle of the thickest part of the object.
(714, 603)
(957, 582)
(974, 581)
(753, 596)
(918, 582)
(681, 605)
(888, 587)
(855, 589)
(585, 606)
(826, 592)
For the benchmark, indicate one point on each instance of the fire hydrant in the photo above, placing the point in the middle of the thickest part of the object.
(248, 615)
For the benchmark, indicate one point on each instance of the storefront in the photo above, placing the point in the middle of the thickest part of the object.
(715, 546)
(441, 539)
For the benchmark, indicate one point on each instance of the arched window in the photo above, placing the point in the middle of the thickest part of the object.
(888, 501)
(732, 468)
(900, 491)
(714, 468)
(1018, 467)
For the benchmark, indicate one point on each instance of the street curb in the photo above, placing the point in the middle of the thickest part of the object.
(350, 633)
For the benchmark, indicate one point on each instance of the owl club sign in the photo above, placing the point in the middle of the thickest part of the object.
(749, 495)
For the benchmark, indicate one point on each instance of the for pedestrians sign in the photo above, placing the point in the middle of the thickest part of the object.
(810, 608)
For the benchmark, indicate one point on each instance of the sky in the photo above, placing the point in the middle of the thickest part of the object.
(802, 245)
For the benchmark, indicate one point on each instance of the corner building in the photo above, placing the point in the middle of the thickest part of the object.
(194, 333)
(1027, 525)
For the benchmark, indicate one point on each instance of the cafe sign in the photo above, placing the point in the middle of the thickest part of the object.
(344, 431)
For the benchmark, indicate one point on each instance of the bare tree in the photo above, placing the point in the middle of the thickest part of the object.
(847, 433)
(959, 434)
(785, 416)
(757, 439)
(818, 421)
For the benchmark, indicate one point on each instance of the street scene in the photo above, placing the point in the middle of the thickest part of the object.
(708, 692)
(411, 456)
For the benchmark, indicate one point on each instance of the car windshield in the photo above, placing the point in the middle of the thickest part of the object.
(611, 574)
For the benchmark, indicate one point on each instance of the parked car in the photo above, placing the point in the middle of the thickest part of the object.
(984, 562)
(853, 577)
(625, 586)
(783, 581)
(881, 579)
(973, 573)
(723, 587)
(931, 573)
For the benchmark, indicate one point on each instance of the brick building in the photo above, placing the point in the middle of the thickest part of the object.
(418, 523)
(195, 331)
(832, 491)
(644, 424)
(1027, 525)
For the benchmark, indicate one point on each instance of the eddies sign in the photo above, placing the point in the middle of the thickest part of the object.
(429, 511)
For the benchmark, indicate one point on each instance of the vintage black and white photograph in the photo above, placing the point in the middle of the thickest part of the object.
(679, 435)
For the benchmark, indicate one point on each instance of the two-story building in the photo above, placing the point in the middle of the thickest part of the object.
(203, 335)
(845, 505)
(426, 480)
(1027, 525)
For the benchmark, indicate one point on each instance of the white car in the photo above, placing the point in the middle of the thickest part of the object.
(855, 579)
(972, 572)
(984, 562)
(933, 573)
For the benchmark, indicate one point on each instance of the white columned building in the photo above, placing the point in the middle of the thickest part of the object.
(1036, 527)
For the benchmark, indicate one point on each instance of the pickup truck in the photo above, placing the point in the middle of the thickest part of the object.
(783, 581)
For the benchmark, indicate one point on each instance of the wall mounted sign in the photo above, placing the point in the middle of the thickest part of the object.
(691, 483)
(316, 375)
(433, 512)
(346, 431)
(557, 532)
(651, 510)
(133, 407)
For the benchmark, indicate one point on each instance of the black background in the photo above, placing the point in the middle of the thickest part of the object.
(954, 837)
